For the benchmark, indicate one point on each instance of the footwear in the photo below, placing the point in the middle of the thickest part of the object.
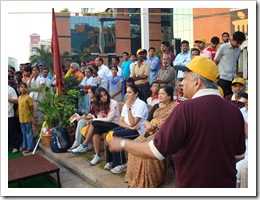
(22, 149)
(79, 149)
(95, 160)
(27, 151)
(15, 150)
(109, 166)
(118, 169)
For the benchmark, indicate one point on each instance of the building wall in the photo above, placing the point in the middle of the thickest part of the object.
(183, 24)
(63, 31)
(209, 22)
(155, 28)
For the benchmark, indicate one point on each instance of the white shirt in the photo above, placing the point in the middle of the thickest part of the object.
(36, 84)
(113, 114)
(12, 95)
(103, 72)
(139, 109)
(244, 112)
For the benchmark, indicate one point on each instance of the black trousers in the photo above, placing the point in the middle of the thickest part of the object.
(226, 86)
(118, 158)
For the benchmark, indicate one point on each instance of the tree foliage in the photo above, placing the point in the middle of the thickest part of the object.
(42, 53)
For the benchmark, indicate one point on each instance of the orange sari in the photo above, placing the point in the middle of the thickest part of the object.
(149, 173)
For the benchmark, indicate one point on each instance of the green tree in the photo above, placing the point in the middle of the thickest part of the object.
(65, 10)
(42, 54)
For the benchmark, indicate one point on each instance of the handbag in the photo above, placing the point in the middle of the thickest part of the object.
(84, 130)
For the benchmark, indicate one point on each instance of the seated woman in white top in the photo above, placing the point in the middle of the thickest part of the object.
(108, 115)
(131, 125)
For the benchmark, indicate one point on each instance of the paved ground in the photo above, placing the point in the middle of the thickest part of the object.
(68, 179)
(76, 172)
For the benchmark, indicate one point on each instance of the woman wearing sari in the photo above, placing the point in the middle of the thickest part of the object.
(150, 173)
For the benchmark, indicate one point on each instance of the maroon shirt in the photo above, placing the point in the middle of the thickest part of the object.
(239, 104)
(204, 135)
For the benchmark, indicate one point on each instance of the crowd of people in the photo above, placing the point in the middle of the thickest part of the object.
(186, 105)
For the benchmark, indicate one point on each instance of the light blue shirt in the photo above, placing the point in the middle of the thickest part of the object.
(154, 67)
(126, 69)
(182, 59)
(227, 56)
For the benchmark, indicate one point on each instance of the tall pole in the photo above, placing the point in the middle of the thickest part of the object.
(145, 28)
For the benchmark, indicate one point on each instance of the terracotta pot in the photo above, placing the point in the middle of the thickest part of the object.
(47, 139)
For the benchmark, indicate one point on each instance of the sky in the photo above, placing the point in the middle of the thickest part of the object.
(23, 18)
(20, 19)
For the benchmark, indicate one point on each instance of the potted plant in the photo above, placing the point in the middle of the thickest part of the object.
(57, 109)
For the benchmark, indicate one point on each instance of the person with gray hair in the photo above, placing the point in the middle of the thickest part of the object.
(197, 133)
(75, 71)
(166, 75)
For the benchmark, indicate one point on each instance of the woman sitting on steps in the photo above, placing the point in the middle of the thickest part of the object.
(108, 115)
(150, 173)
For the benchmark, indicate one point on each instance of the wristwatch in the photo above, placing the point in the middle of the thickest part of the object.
(122, 144)
(129, 108)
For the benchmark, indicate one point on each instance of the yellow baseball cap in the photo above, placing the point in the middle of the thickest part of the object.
(202, 66)
(200, 40)
(238, 80)
(220, 91)
(139, 51)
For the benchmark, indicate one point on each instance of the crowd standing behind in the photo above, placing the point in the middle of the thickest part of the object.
(158, 85)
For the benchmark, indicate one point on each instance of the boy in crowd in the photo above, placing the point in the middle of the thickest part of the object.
(25, 106)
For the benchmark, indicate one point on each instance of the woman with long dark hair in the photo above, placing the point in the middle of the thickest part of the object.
(108, 115)
(131, 125)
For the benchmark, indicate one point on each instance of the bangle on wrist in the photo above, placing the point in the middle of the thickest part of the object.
(122, 144)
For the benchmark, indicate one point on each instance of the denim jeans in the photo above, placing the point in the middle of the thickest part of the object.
(27, 136)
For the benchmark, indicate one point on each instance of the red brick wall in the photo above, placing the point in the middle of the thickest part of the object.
(155, 28)
(63, 29)
(123, 41)
(207, 23)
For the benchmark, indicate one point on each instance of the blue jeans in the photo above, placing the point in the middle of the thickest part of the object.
(12, 136)
(27, 136)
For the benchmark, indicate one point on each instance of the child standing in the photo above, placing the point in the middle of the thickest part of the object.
(25, 106)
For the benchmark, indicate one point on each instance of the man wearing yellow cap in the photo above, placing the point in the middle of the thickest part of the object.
(238, 86)
(141, 74)
(197, 133)
(201, 45)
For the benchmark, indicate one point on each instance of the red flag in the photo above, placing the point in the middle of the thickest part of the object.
(56, 55)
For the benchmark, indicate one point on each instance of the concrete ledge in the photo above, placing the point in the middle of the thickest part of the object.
(79, 165)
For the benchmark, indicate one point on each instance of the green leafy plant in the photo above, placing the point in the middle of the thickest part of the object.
(57, 109)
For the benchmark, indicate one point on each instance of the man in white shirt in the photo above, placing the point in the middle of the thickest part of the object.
(103, 71)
